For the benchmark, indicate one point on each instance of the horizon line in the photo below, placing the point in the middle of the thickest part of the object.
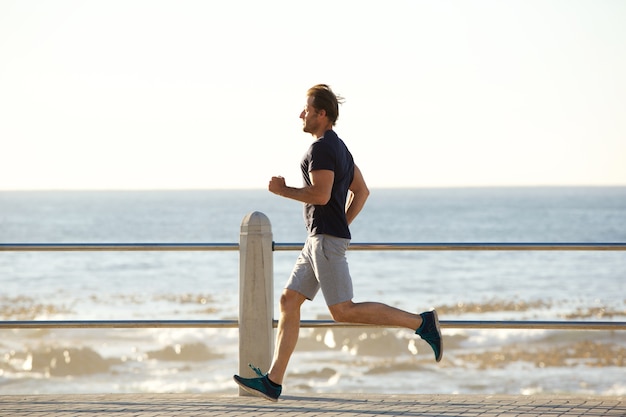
(236, 188)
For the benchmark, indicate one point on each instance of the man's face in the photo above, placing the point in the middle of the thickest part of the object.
(310, 117)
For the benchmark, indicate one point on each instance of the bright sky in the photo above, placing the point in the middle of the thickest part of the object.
(119, 94)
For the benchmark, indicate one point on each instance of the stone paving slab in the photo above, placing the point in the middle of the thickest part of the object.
(318, 405)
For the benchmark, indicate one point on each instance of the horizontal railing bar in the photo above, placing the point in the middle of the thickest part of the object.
(470, 246)
(543, 325)
(298, 246)
(117, 324)
(480, 324)
(118, 246)
(451, 324)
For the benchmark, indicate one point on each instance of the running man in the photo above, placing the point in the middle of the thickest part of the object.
(333, 193)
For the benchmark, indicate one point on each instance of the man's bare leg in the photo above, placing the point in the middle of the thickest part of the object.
(426, 325)
(287, 335)
(374, 313)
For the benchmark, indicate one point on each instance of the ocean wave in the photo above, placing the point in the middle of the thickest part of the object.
(193, 352)
(58, 361)
(22, 307)
(583, 353)
(327, 358)
(495, 305)
(30, 308)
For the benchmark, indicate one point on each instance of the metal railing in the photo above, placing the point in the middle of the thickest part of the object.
(459, 324)
(233, 324)
(474, 246)
(471, 246)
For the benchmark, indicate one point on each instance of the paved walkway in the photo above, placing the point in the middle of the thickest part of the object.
(345, 405)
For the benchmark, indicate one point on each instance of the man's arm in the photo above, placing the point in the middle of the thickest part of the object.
(360, 192)
(317, 193)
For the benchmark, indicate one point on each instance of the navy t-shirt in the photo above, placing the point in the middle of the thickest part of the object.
(330, 153)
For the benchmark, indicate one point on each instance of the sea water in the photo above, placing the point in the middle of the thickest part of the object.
(462, 285)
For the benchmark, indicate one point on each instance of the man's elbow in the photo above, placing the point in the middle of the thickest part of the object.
(361, 192)
(322, 200)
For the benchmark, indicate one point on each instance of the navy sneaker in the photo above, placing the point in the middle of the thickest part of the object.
(260, 386)
(431, 333)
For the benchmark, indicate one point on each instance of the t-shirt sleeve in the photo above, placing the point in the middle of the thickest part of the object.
(322, 157)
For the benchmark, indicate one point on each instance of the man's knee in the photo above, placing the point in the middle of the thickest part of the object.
(291, 300)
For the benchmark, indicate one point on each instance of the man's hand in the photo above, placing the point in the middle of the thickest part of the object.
(277, 185)
(317, 193)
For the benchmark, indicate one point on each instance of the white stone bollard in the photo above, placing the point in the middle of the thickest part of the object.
(256, 295)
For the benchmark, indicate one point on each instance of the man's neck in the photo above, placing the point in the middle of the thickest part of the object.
(320, 133)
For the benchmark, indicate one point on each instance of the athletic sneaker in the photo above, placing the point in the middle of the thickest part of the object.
(430, 332)
(260, 386)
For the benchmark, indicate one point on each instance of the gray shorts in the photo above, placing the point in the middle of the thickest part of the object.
(323, 264)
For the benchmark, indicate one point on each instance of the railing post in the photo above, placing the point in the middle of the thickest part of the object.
(256, 288)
